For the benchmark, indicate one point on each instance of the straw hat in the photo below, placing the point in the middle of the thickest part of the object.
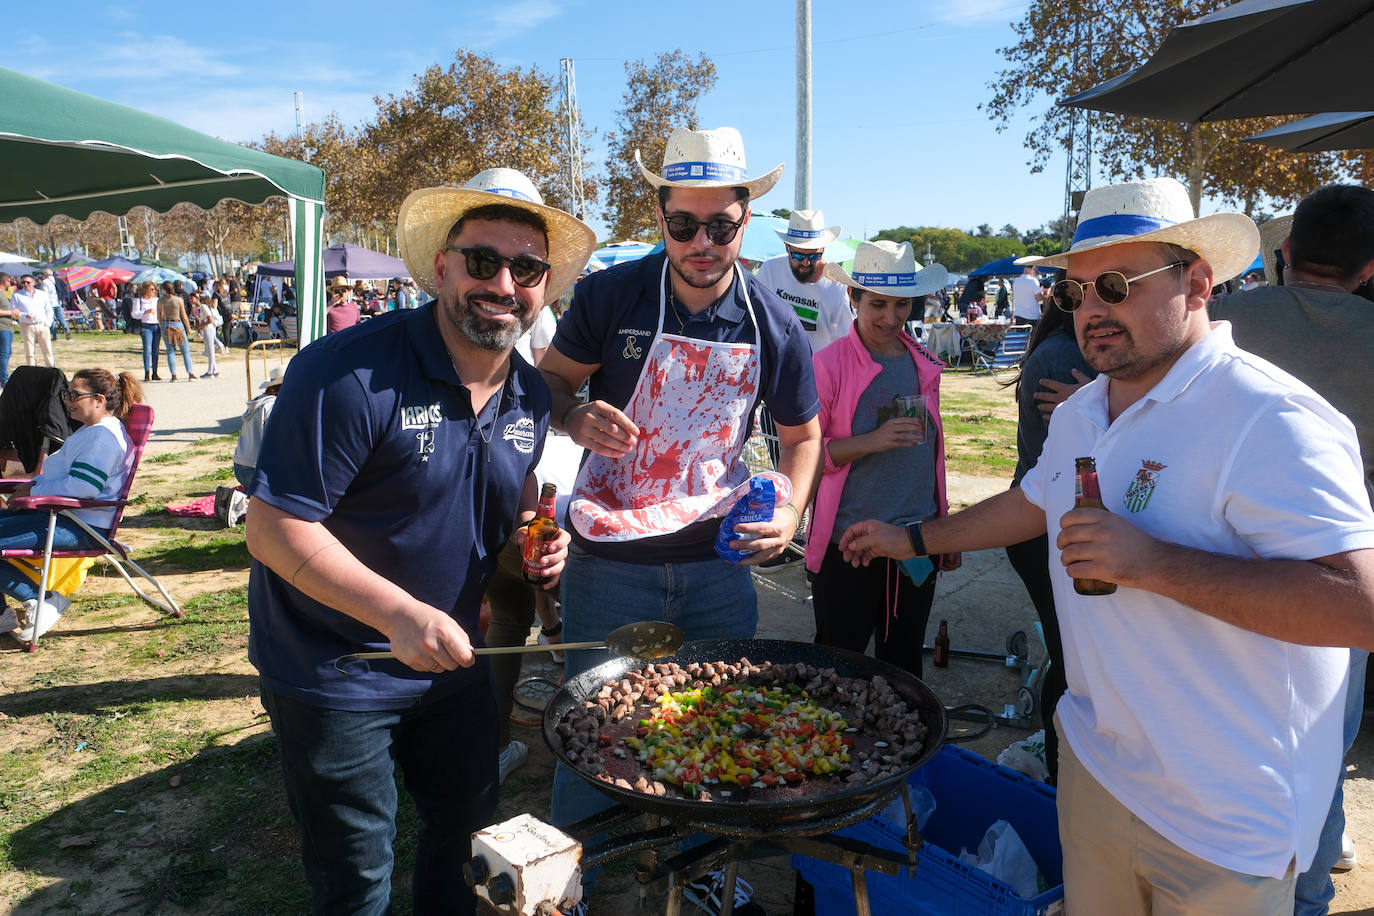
(339, 283)
(806, 229)
(1158, 210)
(889, 269)
(429, 213)
(1272, 236)
(707, 159)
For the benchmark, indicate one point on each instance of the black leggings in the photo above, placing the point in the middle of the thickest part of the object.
(1031, 560)
(852, 603)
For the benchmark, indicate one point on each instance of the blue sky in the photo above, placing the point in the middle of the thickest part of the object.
(897, 134)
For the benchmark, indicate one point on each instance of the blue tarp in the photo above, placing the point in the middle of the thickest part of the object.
(1003, 267)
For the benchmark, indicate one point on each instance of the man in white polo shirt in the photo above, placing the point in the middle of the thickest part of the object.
(1201, 731)
(1026, 297)
(798, 277)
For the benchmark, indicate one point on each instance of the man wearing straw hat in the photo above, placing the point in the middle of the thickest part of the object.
(680, 348)
(800, 280)
(398, 459)
(1309, 321)
(1201, 731)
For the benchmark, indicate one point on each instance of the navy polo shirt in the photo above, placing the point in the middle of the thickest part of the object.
(612, 322)
(373, 435)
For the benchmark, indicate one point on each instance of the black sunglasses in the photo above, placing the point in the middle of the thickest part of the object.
(810, 257)
(1112, 287)
(683, 228)
(484, 263)
(72, 394)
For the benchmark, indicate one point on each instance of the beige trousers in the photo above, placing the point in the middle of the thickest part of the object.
(36, 336)
(1115, 863)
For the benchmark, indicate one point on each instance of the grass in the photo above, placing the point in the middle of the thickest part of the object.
(146, 734)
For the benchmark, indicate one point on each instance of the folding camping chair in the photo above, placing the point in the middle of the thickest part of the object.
(139, 424)
(1006, 362)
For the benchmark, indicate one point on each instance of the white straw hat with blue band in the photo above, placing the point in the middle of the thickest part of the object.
(806, 229)
(707, 159)
(1158, 210)
(889, 269)
(428, 214)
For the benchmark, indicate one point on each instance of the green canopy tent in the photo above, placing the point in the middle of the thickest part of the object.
(65, 152)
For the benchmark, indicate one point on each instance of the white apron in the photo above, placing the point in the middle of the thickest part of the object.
(692, 406)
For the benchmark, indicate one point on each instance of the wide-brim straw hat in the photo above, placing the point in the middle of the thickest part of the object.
(707, 159)
(428, 214)
(1158, 210)
(806, 229)
(889, 269)
(1272, 235)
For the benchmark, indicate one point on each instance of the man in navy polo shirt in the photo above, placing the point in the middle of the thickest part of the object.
(680, 349)
(397, 461)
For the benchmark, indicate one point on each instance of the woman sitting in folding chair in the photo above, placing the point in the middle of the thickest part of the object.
(90, 465)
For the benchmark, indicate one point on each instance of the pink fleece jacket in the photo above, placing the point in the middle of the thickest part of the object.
(843, 370)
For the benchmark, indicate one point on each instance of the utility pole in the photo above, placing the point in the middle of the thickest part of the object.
(802, 194)
(572, 125)
(1078, 171)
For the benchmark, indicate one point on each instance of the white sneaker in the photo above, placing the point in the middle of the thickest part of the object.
(9, 620)
(1348, 857)
(44, 617)
(512, 759)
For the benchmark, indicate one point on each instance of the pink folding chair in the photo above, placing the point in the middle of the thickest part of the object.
(139, 424)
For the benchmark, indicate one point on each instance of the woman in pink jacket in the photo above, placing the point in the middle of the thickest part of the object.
(882, 458)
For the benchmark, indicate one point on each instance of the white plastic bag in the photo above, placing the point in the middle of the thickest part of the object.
(1027, 756)
(1003, 855)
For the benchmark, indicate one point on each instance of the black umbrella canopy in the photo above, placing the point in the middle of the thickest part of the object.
(1334, 130)
(1254, 58)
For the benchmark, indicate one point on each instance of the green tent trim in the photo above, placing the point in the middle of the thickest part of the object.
(63, 152)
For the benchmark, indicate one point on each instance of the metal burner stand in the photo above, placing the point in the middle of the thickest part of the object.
(731, 844)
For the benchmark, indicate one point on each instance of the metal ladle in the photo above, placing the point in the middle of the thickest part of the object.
(646, 639)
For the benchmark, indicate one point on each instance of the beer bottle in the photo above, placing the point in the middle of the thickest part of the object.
(1087, 495)
(541, 530)
(940, 657)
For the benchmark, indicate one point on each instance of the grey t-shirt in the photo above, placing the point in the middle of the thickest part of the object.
(897, 485)
(1325, 339)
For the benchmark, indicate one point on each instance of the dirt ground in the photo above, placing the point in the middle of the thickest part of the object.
(983, 602)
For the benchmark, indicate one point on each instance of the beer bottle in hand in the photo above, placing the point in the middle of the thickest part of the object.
(541, 530)
(940, 657)
(1087, 495)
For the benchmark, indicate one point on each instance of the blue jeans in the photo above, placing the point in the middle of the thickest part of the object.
(185, 348)
(6, 347)
(709, 599)
(60, 317)
(1314, 889)
(341, 787)
(25, 529)
(152, 341)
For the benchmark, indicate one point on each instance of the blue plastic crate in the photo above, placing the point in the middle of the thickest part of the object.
(971, 793)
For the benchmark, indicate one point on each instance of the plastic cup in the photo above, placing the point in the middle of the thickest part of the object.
(912, 405)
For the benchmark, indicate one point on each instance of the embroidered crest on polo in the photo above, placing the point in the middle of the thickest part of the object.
(521, 435)
(1142, 486)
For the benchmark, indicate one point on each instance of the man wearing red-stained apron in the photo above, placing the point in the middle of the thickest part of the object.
(680, 347)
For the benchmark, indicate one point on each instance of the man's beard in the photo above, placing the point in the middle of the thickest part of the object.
(804, 271)
(486, 333)
(707, 280)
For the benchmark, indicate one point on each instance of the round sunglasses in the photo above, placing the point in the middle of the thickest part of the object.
(484, 263)
(683, 228)
(1111, 286)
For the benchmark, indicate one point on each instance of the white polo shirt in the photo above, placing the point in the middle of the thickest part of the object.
(1023, 302)
(1225, 741)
